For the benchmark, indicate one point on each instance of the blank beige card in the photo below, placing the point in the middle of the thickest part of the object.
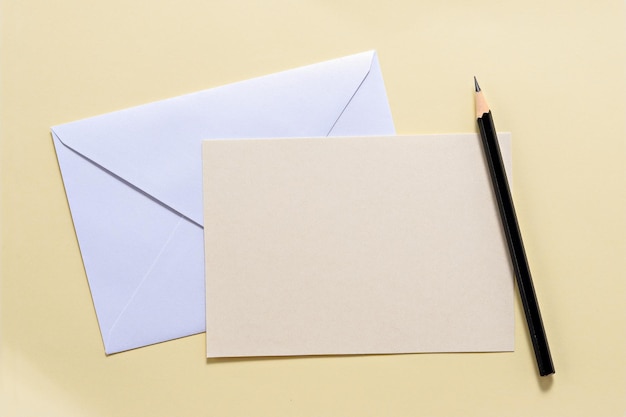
(358, 245)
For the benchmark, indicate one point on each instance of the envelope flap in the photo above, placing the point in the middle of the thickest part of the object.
(156, 147)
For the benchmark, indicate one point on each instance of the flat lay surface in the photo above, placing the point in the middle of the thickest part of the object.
(554, 74)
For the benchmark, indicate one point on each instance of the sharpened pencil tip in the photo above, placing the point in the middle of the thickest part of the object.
(476, 85)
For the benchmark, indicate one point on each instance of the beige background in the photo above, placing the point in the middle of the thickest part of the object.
(554, 73)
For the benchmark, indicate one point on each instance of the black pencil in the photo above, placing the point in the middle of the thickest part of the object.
(513, 235)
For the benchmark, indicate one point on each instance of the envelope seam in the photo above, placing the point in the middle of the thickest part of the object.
(126, 182)
(350, 101)
(145, 277)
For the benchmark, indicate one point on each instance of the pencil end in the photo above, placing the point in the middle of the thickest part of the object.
(476, 86)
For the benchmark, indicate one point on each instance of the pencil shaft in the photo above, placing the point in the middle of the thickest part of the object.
(516, 247)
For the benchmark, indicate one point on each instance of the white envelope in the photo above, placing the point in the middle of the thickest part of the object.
(133, 179)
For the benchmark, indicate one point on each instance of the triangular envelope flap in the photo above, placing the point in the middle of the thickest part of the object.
(128, 242)
(156, 147)
(169, 303)
(370, 100)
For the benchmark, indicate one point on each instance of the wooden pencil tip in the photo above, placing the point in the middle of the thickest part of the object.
(476, 86)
